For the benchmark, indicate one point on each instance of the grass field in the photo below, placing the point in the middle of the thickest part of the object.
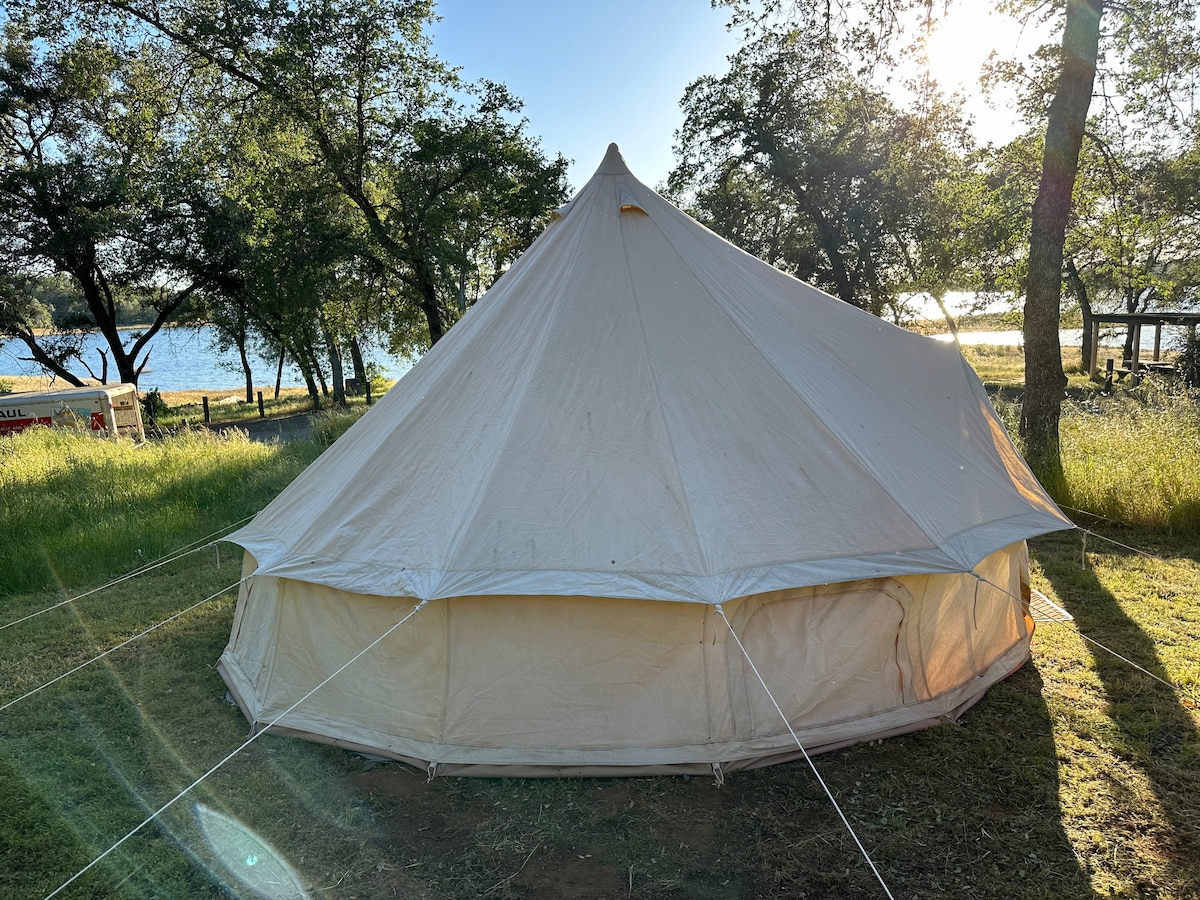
(1077, 777)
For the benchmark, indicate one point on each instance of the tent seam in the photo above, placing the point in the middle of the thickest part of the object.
(455, 544)
(637, 305)
(839, 439)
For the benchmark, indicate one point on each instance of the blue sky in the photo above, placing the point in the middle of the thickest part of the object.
(592, 73)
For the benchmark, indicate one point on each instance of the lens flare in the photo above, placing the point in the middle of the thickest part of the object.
(248, 858)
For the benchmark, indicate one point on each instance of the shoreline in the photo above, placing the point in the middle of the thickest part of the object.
(22, 384)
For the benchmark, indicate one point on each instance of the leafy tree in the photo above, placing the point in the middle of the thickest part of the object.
(1145, 54)
(393, 127)
(1129, 249)
(1142, 53)
(93, 189)
(855, 181)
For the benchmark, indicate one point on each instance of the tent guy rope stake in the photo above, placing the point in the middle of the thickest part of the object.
(246, 743)
(807, 758)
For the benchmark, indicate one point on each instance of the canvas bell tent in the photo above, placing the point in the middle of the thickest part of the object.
(640, 443)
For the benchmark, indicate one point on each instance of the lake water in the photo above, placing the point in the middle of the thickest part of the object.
(1172, 338)
(184, 359)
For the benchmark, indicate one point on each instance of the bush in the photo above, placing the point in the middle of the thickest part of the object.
(1188, 363)
(153, 406)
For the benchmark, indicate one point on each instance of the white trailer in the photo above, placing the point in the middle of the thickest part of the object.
(105, 410)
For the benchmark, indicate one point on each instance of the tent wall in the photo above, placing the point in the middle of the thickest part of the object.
(587, 685)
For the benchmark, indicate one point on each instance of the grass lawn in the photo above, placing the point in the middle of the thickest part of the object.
(1079, 776)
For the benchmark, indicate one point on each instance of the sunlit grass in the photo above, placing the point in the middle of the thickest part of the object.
(1132, 457)
(78, 509)
(1135, 459)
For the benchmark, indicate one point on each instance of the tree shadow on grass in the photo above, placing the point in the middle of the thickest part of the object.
(964, 811)
(1154, 734)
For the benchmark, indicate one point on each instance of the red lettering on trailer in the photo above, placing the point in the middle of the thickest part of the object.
(12, 426)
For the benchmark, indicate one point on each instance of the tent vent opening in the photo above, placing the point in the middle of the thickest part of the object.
(628, 200)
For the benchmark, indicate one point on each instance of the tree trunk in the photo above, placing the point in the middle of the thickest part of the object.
(427, 290)
(940, 299)
(1085, 307)
(830, 239)
(1044, 378)
(246, 371)
(356, 361)
(336, 373)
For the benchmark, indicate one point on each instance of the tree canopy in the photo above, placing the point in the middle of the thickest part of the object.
(814, 149)
(306, 147)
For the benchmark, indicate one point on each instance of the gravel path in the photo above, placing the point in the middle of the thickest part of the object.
(282, 428)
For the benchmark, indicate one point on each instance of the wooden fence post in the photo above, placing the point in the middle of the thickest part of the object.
(262, 413)
(207, 419)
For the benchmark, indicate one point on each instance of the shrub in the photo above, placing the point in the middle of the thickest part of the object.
(1188, 363)
(153, 406)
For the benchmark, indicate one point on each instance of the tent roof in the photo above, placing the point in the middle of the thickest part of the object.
(637, 408)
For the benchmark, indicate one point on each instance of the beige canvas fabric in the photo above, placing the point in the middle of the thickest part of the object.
(589, 685)
(638, 411)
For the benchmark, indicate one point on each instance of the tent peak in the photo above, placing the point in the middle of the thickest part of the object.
(613, 163)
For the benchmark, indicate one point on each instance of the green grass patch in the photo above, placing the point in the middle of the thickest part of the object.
(79, 510)
(1135, 458)
(1079, 776)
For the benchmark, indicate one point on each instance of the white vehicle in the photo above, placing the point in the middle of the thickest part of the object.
(106, 410)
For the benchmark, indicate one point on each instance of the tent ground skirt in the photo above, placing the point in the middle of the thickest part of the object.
(593, 686)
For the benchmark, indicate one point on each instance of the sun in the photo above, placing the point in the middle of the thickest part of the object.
(961, 42)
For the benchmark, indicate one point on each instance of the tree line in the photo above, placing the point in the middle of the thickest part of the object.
(306, 177)
(830, 149)
(310, 177)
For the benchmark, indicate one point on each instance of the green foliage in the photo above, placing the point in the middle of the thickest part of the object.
(798, 160)
(154, 407)
(6, 386)
(379, 381)
(97, 193)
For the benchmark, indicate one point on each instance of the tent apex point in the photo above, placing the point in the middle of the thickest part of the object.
(613, 163)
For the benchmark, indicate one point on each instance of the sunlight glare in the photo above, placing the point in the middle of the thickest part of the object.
(960, 44)
(249, 858)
